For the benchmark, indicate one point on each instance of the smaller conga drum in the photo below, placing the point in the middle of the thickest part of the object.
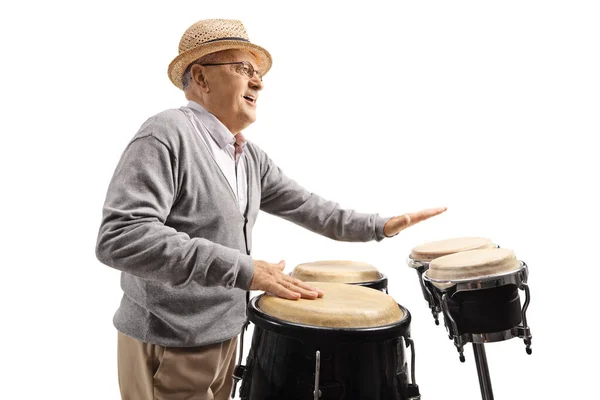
(422, 255)
(340, 271)
(347, 345)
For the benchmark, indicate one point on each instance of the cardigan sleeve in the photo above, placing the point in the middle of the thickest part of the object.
(133, 236)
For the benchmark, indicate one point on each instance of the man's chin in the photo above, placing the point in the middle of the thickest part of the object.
(246, 120)
(250, 118)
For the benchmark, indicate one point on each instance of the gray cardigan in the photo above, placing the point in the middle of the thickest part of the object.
(172, 225)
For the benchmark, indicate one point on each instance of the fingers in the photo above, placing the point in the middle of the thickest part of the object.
(281, 265)
(397, 224)
(294, 289)
(281, 291)
(271, 279)
(312, 289)
(298, 287)
(419, 216)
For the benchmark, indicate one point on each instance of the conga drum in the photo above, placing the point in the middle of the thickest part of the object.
(341, 271)
(478, 292)
(346, 345)
(422, 255)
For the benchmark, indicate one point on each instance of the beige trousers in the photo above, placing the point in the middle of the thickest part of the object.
(152, 372)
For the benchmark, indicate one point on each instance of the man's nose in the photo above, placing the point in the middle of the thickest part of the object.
(255, 82)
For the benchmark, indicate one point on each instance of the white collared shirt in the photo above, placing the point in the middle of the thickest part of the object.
(220, 142)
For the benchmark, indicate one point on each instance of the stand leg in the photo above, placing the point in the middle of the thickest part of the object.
(483, 372)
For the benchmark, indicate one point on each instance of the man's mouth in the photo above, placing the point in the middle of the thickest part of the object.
(250, 98)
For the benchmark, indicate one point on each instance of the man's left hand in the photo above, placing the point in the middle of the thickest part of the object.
(399, 223)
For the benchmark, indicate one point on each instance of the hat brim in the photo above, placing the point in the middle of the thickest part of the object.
(178, 66)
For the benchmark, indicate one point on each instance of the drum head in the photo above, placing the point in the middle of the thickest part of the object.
(432, 250)
(343, 306)
(474, 264)
(336, 271)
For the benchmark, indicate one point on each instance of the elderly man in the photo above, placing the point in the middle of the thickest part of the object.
(178, 218)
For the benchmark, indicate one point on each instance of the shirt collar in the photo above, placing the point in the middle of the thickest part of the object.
(219, 132)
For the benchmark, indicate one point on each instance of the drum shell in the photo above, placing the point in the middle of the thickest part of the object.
(431, 300)
(486, 310)
(355, 363)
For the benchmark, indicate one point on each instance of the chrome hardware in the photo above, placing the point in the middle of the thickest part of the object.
(238, 371)
(412, 390)
(421, 267)
(317, 392)
(411, 344)
(524, 331)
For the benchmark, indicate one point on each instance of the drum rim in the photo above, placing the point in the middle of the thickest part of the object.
(377, 284)
(416, 263)
(483, 282)
(285, 328)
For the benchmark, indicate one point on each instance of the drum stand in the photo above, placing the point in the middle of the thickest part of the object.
(483, 372)
(478, 339)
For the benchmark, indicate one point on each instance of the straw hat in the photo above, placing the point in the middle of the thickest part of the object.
(212, 35)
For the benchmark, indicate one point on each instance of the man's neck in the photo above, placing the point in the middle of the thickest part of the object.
(199, 101)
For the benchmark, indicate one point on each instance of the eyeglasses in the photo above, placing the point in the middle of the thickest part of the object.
(244, 67)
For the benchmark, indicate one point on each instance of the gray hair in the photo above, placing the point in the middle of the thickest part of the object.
(207, 59)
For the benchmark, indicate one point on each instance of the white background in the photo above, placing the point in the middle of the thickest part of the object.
(488, 108)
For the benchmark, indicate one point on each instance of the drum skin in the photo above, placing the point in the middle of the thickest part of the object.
(350, 272)
(362, 363)
(429, 251)
(343, 306)
(472, 265)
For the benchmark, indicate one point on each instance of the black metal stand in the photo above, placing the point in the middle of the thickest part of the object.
(483, 372)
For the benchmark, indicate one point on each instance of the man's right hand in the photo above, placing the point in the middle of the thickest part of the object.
(271, 279)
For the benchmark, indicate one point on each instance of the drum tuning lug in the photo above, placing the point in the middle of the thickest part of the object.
(238, 375)
(461, 355)
(412, 392)
(436, 318)
(317, 392)
(528, 346)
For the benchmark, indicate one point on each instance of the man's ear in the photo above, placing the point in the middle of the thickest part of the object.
(197, 75)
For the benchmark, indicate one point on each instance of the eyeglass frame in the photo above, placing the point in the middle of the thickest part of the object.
(246, 64)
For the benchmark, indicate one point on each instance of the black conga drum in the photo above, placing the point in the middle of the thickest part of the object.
(478, 292)
(342, 271)
(422, 255)
(348, 345)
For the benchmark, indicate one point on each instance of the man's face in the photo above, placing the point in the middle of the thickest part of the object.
(231, 93)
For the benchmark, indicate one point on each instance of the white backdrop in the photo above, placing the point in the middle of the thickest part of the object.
(488, 108)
